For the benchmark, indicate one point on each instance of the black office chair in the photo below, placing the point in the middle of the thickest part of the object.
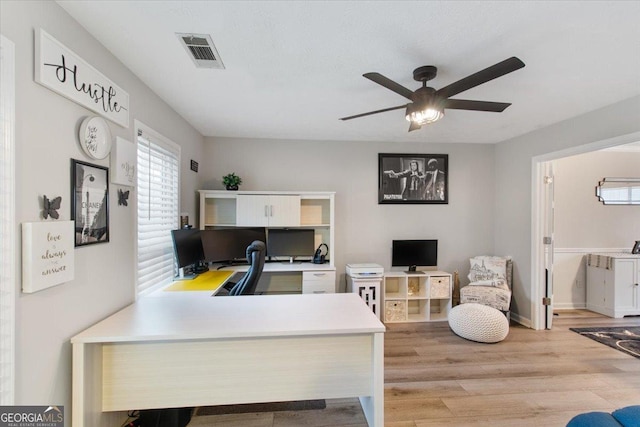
(248, 283)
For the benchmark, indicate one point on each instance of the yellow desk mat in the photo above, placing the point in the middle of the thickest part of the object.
(209, 281)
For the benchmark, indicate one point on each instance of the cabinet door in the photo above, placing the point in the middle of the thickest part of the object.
(626, 291)
(284, 211)
(596, 289)
(252, 210)
(267, 210)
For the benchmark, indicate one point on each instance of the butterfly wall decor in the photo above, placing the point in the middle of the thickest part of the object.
(50, 207)
(122, 197)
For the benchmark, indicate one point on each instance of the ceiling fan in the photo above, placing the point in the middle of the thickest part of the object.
(428, 104)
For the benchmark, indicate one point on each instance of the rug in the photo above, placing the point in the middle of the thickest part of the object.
(298, 405)
(623, 338)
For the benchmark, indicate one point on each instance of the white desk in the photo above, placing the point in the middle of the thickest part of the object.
(190, 350)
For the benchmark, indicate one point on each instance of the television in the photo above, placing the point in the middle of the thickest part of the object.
(414, 253)
(187, 247)
(286, 242)
(229, 245)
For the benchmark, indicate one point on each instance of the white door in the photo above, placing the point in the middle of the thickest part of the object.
(548, 243)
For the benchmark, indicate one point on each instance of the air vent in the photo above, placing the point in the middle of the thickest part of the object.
(201, 50)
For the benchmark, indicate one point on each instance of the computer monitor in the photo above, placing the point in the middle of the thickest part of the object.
(187, 248)
(413, 253)
(285, 242)
(229, 245)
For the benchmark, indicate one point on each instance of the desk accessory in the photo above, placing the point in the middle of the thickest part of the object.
(319, 257)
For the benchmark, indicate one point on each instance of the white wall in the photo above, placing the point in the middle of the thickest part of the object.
(581, 220)
(46, 140)
(583, 224)
(513, 219)
(365, 229)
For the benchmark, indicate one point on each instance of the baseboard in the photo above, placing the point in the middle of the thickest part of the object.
(570, 306)
(515, 317)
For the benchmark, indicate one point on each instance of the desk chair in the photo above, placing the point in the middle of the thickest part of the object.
(248, 283)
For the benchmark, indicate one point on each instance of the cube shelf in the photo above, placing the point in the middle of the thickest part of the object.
(416, 297)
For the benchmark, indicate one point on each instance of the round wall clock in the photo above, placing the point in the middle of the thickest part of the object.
(95, 137)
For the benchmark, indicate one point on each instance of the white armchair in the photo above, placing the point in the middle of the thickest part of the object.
(490, 282)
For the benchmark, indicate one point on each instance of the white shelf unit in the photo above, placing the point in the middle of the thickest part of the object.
(416, 297)
(277, 209)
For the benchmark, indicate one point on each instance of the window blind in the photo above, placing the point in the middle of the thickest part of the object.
(7, 222)
(158, 207)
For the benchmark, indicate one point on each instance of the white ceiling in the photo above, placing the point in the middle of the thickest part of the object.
(294, 68)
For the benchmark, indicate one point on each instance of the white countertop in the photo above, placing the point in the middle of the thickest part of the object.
(187, 315)
(616, 254)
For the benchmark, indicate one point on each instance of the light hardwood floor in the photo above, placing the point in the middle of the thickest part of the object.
(435, 378)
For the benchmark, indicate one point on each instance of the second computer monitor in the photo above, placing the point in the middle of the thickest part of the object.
(290, 243)
(229, 245)
(187, 247)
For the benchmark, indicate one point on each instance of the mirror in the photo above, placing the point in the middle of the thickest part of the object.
(619, 191)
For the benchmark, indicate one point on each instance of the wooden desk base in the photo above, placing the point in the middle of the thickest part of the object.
(221, 372)
(194, 351)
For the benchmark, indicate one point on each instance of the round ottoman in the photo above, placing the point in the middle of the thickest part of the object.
(477, 322)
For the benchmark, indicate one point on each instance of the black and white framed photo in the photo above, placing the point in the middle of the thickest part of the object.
(89, 202)
(413, 178)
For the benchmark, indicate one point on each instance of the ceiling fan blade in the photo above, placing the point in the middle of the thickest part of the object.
(500, 69)
(390, 84)
(465, 104)
(374, 112)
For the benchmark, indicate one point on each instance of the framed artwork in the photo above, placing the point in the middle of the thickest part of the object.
(413, 178)
(89, 203)
(636, 248)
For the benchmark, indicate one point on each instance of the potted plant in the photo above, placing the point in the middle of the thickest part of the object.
(231, 181)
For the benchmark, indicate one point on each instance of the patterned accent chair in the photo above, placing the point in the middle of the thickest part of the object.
(490, 283)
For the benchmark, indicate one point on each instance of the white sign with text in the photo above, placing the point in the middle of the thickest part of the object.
(47, 254)
(123, 162)
(64, 72)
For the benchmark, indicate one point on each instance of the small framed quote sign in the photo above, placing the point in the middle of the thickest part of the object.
(47, 254)
(123, 163)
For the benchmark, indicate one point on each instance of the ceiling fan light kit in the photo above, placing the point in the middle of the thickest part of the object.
(428, 104)
(424, 116)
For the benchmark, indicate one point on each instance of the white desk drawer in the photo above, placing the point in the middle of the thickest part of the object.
(318, 288)
(308, 276)
(318, 282)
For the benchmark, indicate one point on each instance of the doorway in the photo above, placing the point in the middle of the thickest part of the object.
(541, 259)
